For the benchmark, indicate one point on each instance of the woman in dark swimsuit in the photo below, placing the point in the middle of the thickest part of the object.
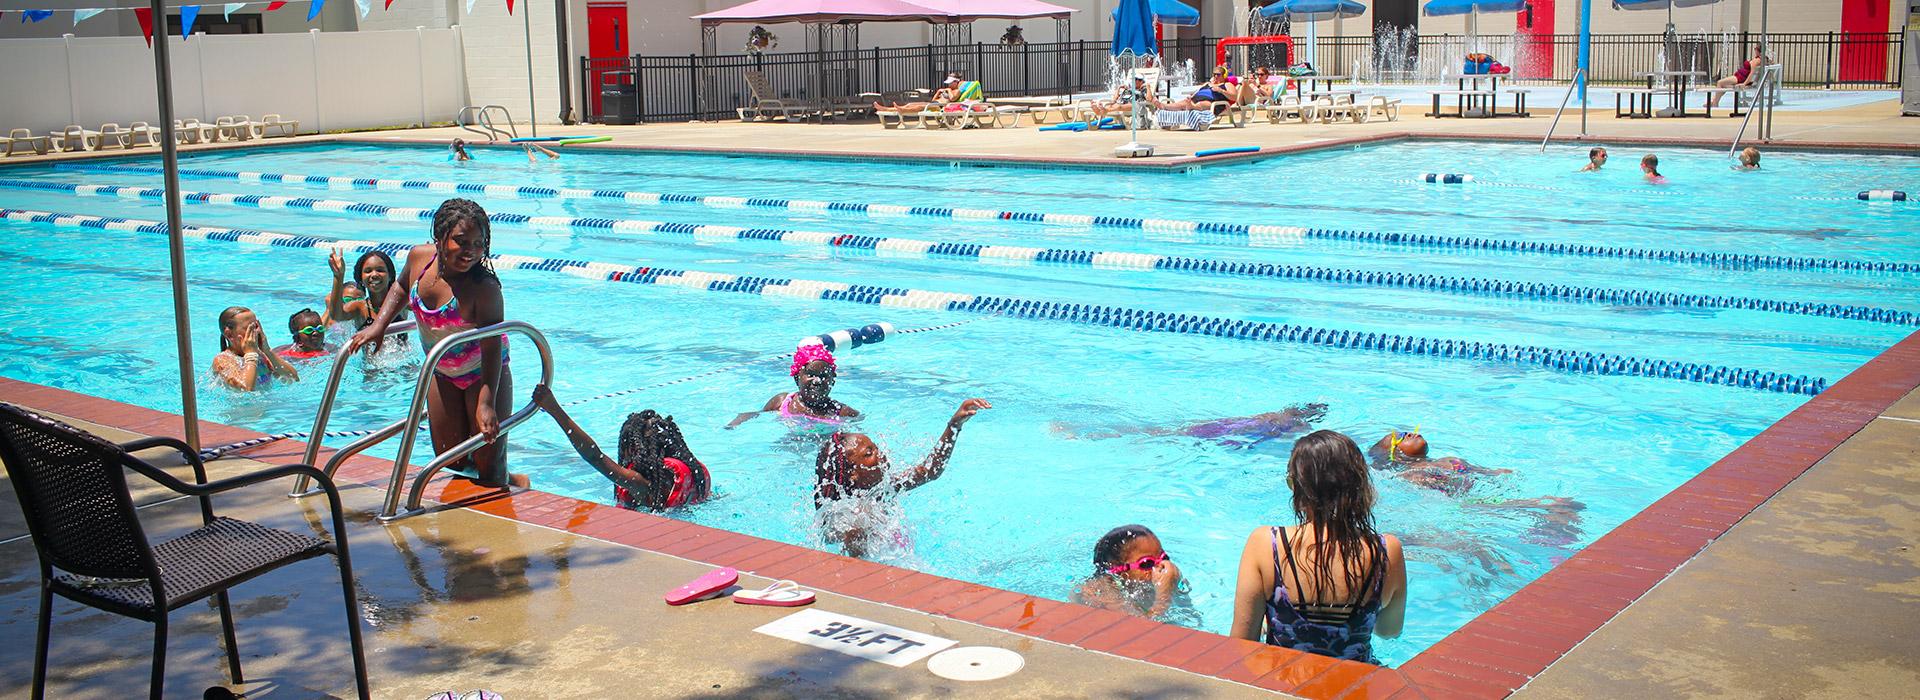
(656, 471)
(1330, 584)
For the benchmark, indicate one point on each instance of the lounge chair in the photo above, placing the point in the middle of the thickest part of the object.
(195, 131)
(144, 134)
(1378, 105)
(1281, 105)
(1327, 109)
(767, 103)
(286, 127)
(76, 138)
(238, 128)
(112, 133)
(19, 138)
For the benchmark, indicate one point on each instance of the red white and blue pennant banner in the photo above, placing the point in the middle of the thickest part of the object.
(189, 13)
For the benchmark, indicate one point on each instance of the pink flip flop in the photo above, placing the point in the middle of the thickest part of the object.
(708, 584)
(780, 594)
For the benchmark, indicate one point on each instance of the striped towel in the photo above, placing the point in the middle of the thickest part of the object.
(1195, 119)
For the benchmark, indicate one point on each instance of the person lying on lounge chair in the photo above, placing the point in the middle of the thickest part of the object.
(1123, 98)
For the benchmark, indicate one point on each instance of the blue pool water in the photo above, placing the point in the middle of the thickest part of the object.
(1028, 491)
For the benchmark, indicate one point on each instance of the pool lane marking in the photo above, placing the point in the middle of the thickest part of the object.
(1234, 232)
(1569, 361)
(908, 247)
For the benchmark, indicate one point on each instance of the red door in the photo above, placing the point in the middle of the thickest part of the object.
(606, 38)
(1534, 25)
(1863, 47)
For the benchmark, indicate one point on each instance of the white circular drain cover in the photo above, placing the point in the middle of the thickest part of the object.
(976, 663)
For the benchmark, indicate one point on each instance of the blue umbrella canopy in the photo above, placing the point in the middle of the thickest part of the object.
(1314, 10)
(1133, 29)
(1442, 8)
(1171, 12)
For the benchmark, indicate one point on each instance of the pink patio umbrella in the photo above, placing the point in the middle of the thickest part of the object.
(823, 12)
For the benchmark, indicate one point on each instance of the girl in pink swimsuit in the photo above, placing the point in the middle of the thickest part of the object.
(811, 407)
(452, 288)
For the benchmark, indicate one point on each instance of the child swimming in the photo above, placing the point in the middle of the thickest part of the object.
(656, 471)
(813, 373)
(246, 361)
(1132, 574)
(453, 289)
(357, 302)
(854, 487)
(309, 337)
(1242, 431)
(1405, 454)
(1596, 159)
(1650, 166)
(1749, 159)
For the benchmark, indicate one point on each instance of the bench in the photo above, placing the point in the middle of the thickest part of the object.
(1469, 101)
(1638, 102)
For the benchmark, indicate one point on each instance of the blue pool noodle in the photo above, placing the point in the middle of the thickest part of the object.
(1066, 126)
(1224, 151)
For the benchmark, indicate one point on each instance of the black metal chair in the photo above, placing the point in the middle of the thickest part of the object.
(74, 492)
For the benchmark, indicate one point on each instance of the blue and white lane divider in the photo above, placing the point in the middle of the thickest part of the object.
(1233, 232)
(1571, 361)
(909, 247)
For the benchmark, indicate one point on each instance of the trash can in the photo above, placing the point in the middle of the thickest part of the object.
(619, 98)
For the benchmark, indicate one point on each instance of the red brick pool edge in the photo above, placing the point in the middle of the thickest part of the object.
(1489, 657)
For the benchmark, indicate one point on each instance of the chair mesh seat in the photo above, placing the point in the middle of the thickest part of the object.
(196, 564)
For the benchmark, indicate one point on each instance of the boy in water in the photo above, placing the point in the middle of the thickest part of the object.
(1749, 159)
(1595, 159)
(854, 488)
(309, 336)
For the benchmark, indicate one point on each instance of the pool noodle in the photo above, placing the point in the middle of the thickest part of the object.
(585, 139)
(1224, 151)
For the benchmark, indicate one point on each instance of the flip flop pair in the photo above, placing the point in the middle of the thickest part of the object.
(782, 594)
(471, 695)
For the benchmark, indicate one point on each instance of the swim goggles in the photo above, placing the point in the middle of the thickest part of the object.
(1145, 563)
(1394, 440)
(311, 330)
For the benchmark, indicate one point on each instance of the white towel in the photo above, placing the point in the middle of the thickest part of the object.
(1195, 119)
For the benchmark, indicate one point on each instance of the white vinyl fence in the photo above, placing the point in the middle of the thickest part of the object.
(326, 80)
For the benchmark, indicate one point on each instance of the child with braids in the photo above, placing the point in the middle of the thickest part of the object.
(451, 288)
(1329, 584)
(656, 471)
(856, 490)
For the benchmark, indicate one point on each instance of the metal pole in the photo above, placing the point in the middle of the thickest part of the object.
(560, 34)
(176, 250)
(526, 32)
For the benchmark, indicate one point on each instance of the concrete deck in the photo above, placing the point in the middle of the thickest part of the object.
(460, 599)
(1875, 126)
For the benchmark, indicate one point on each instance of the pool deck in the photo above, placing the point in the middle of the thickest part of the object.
(1786, 569)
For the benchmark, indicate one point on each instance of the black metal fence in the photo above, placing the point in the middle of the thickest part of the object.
(680, 88)
(1830, 60)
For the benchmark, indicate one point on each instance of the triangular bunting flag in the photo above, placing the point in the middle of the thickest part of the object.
(509, 6)
(277, 4)
(145, 15)
(363, 6)
(469, 6)
(188, 14)
(35, 15)
(313, 10)
(388, 6)
(226, 12)
(83, 14)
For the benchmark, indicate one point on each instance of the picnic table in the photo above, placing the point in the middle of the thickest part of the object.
(1303, 84)
(1678, 83)
(1482, 98)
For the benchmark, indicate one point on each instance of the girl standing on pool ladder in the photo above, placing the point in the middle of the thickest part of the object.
(452, 289)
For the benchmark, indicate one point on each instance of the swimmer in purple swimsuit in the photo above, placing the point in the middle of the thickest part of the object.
(1242, 431)
(1405, 453)
(813, 373)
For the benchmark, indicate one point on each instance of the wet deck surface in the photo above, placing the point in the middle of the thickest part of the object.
(460, 600)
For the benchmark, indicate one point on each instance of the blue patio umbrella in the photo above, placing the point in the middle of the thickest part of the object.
(1470, 8)
(1311, 12)
(1172, 12)
(1133, 34)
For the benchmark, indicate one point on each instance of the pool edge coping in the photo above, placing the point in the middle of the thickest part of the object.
(1491, 656)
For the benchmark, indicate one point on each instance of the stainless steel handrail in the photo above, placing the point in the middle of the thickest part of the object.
(389, 511)
(1576, 85)
(1764, 94)
(300, 485)
(482, 115)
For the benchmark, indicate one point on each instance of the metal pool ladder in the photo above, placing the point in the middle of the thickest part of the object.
(471, 115)
(409, 426)
(1765, 93)
(1578, 75)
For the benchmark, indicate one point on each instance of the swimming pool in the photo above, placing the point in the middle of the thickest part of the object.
(1026, 495)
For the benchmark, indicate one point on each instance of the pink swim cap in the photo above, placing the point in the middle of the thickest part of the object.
(809, 353)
